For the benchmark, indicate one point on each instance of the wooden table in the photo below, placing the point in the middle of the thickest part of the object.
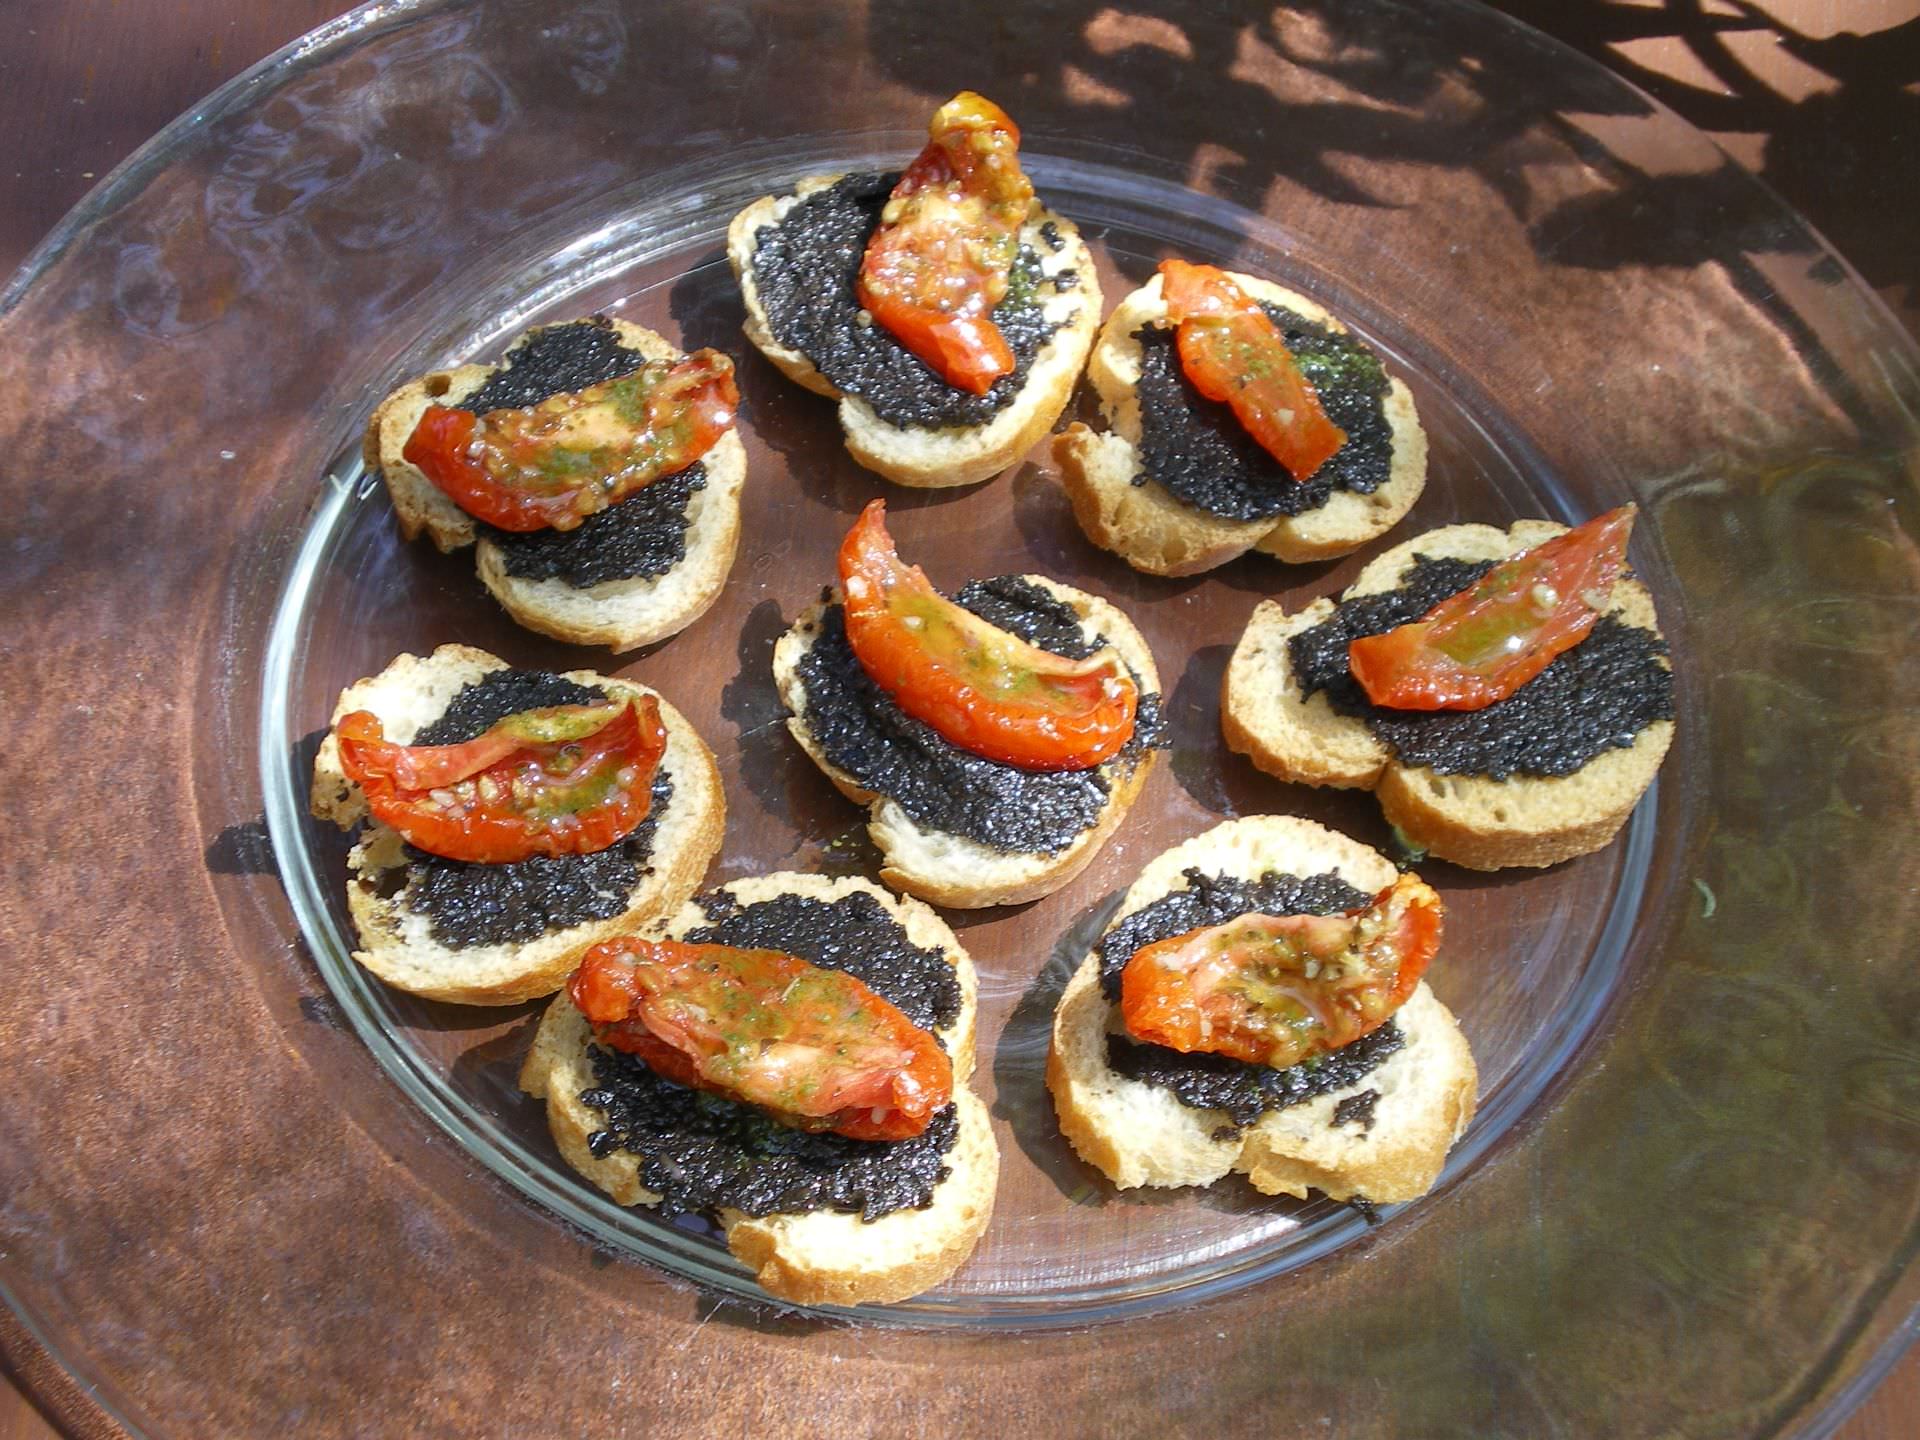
(1827, 117)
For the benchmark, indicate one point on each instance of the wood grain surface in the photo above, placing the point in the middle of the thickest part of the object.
(1817, 96)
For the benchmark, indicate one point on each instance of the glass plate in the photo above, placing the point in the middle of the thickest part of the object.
(261, 1186)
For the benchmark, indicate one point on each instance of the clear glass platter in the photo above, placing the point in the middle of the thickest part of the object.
(1687, 1202)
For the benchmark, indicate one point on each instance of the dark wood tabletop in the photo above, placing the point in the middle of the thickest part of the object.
(1821, 98)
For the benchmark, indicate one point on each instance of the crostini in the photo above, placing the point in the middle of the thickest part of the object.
(596, 467)
(1240, 416)
(946, 309)
(998, 738)
(788, 1055)
(1528, 773)
(1256, 1005)
(491, 855)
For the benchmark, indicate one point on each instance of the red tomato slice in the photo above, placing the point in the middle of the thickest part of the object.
(1481, 645)
(1232, 352)
(567, 780)
(1280, 989)
(984, 689)
(814, 1046)
(949, 235)
(556, 463)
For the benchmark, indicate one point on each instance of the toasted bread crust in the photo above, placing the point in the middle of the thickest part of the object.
(398, 946)
(1142, 524)
(952, 455)
(950, 870)
(743, 237)
(1304, 741)
(822, 1257)
(1486, 824)
(1137, 1134)
(1474, 821)
(1155, 532)
(620, 614)
(418, 504)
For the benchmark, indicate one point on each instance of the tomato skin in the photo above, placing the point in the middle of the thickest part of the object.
(814, 1047)
(509, 794)
(1280, 989)
(980, 687)
(1233, 353)
(938, 264)
(1479, 646)
(516, 470)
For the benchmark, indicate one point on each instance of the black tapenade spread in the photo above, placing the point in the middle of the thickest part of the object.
(1357, 1109)
(1593, 698)
(644, 535)
(555, 361)
(1243, 1091)
(467, 904)
(704, 1152)
(804, 269)
(1200, 453)
(478, 707)
(863, 732)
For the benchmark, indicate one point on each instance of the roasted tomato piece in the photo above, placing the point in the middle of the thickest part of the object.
(815, 1047)
(565, 780)
(555, 463)
(1481, 645)
(948, 237)
(984, 689)
(1280, 989)
(1232, 352)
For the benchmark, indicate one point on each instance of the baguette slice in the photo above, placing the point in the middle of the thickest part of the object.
(398, 945)
(620, 614)
(950, 455)
(1139, 1134)
(1153, 530)
(1472, 820)
(953, 870)
(823, 1257)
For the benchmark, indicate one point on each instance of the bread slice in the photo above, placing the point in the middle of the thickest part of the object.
(822, 1257)
(1153, 530)
(398, 945)
(1140, 1134)
(1472, 820)
(953, 870)
(949, 455)
(620, 614)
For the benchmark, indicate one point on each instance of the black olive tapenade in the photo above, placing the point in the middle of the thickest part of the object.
(555, 361)
(804, 268)
(861, 731)
(1593, 698)
(644, 535)
(1356, 1109)
(468, 904)
(1035, 614)
(702, 1153)
(1243, 1091)
(1198, 450)
(705, 1152)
